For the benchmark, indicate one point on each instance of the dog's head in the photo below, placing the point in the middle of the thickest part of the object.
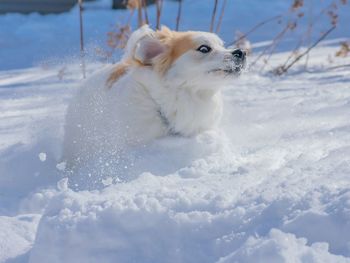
(197, 58)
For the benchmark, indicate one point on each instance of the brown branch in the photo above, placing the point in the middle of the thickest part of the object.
(139, 13)
(144, 4)
(292, 53)
(275, 41)
(301, 41)
(179, 10)
(222, 12)
(309, 31)
(255, 28)
(327, 69)
(305, 37)
(213, 16)
(272, 50)
(339, 66)
(82, 50)
(159, 4)
(324, 35)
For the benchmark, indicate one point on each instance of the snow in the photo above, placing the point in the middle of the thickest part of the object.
(282, 247)
(16, 235)
(42, 157)
(271, 185)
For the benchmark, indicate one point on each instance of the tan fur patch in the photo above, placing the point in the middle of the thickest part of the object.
(177, 44)
(119, 70)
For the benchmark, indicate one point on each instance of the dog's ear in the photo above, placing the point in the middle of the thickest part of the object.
(166, 30)
(147, 49)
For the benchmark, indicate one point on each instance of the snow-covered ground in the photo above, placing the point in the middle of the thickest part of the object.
(271, 185)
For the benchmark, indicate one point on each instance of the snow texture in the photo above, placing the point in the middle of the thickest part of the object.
(282, 247)
(271, 185)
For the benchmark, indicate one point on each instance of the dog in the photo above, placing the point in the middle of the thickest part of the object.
(167, 83)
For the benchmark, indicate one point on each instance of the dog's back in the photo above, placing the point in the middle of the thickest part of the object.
(102, 120)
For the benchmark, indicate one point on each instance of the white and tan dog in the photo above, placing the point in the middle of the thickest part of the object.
(167, 83)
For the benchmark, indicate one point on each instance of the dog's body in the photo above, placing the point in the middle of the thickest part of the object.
(164, 85)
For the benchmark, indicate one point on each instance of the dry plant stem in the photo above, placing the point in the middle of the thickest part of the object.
(340, 66)
(178, 15)
(274, 45)
(159, 4)
(306, 35)
(324, 35)
(309, 31)
(294, 51)
(82, 51)
(145, 11)
(255, 28)
(213, 16)
(275, 41)
(222, 12)
(139, 13)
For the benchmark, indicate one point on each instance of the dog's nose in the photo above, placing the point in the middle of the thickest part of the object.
(239, 53)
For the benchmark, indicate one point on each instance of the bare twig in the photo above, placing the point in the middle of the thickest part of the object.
(159, 4)
(340, 66)
(295, 50)
(144, 4)
(222, 12)
(272, 50)
(255, 28)
(213, 16)
(307, 35)
(309, 31)
(291, 26)
(275, 41)
(139, 13)
(344, 66)
(324, 35)
(82, 51)
(178, 15)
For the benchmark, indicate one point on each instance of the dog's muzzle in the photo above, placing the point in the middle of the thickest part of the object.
(235, 63)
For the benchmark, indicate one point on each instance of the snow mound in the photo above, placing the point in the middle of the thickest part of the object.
(17, 235)
(274, 176)
(172, 219)
(153, 218)
(161, 157)
(282, 247)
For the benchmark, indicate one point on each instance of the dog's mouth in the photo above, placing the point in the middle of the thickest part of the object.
(230, 69)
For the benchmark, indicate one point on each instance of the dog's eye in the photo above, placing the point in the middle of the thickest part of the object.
(204, 49)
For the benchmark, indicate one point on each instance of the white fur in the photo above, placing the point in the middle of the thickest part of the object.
(102, 120)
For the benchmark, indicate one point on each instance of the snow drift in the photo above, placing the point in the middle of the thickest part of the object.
(272, 185)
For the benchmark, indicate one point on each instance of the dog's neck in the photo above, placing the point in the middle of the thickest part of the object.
(182, 108)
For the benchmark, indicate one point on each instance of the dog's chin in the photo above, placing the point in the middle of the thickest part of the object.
(228, 71)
